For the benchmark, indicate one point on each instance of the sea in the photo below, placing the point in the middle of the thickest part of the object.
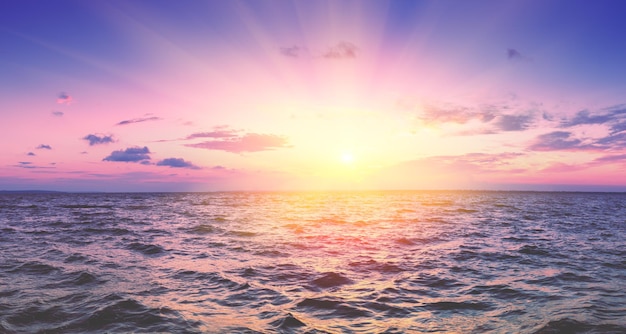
(313, 262)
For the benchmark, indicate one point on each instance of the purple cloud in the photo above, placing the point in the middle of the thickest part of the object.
(512, 54)
(514, 122)
(483, 161)
(98, 139)
(30, 165)
(613, 141)
(31, 154)
(44, 147)
(250, 142)
(292, 51)
(558, 140)
(585, 117)
(460, 115)
(342, 50)
(612, 158)
(131, 154)
(64, 98)
(214, 134)
(139, 120)
(177, 163)
(57, 113)
(614, 117)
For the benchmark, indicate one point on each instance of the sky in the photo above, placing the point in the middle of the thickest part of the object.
(312, 95)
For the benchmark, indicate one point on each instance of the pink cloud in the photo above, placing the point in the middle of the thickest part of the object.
(225, 133)
(64, 98)
(250, 142)
(560, 167)
(138, 120)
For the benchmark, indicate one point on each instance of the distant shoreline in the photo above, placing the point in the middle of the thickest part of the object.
(315, 191)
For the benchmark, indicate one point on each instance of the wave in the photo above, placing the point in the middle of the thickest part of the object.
(375, 266)
(147, 249)
(331, 279)
(565, 326)
(288, 322)
(458, 306)
(130, 315)
(85, 206)
(34, 268)
(122, 263)
(327, 307)
(204, 229)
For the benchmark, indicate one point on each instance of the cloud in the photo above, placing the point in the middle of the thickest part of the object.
(513, 54)
(44, 147)
(57, 113)
(558, 140)
(614, 117)
(514, 122)
(64, 98)
(177, 163)
(138, 120)
(294, 51)
(30, 165)
(468, 171)
(31, 154)
(250, 142)
(459, 115)
(486, 162)
(612, 158)
(226, 133)
(584, 117)
(98, 139)
(342, 50)
(131, 154)
(618, 127)
(613, 141)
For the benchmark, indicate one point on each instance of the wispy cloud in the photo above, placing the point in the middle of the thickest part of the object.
(226, 133)
(342, 50)
(177, 163)
(449, 172)
(57, 113)
(138, 120)
(514, 122)
(98, 139)
(131, 154)
(30, 165)
(558, 141)
(615, 141)
(44, 147)
(614, 117)
(516, 55)
(483, 161)
(432, 115)
(294, 51)
(560, 167)
(64, 98)
(249, 142)
(621, 158)
(31, 154)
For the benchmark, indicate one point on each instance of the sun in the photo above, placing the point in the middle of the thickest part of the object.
(347, 158)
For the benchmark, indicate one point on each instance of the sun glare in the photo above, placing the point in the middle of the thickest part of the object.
(347, 158)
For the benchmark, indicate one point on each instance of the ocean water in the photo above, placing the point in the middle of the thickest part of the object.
(342, 262)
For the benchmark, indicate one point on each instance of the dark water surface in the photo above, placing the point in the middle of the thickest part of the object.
(366, 262)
